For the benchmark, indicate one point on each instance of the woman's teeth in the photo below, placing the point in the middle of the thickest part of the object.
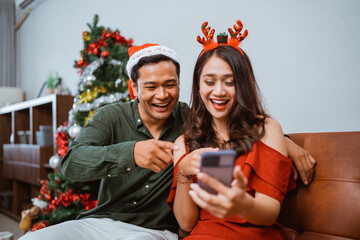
(219, 101)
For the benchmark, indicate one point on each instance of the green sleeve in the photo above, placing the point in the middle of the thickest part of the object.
(92, 155)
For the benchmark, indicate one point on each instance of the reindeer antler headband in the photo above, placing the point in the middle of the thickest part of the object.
(222, 39)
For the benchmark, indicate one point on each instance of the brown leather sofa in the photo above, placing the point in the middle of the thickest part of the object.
(328, 208)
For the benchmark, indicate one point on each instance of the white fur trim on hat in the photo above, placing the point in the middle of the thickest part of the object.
(150, 51)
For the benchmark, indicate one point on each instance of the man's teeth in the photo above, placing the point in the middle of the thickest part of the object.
(161, 104)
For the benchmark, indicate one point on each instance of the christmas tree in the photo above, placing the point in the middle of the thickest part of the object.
(103, 80)
(103, 72)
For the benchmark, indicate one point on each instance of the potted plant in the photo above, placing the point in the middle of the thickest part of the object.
(51, 83)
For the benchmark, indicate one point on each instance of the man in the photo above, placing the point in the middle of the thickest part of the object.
(129, 147)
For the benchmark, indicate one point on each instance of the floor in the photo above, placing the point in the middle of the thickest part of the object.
(10, 225)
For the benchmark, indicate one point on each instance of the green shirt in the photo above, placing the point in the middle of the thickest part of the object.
(104, 150)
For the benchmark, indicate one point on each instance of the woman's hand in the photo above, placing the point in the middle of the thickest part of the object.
(185, 210)
(228, 202)
(190, 165)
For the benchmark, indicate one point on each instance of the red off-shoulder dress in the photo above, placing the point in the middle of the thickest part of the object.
(268, 172)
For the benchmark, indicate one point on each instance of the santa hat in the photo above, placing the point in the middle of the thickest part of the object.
(147, 50)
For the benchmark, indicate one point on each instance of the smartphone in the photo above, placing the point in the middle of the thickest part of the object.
(219, 165)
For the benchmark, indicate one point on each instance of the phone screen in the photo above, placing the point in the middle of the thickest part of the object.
(219, 165)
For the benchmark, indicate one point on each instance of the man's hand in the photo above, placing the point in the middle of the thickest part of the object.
(303, 161)
(154, 154)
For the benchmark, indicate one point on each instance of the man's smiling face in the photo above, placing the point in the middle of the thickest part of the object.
(157, 90)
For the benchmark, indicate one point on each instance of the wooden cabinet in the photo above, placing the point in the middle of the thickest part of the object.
(24, 165)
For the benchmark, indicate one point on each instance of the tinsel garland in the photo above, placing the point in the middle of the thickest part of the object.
(88, 101)
(100, 101)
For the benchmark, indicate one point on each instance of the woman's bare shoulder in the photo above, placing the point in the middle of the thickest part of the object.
(274, 136)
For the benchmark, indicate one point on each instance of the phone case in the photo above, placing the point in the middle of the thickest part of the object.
(219, 165)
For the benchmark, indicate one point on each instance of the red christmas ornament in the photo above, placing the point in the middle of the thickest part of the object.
(80, 63)
(95, 51)
(102, 43)
(130, 42)
(120, 39)
(44, 187)
(62, 141)
(74, 198)
(106, 33)
(57, 181)
(105, 54)
(91, 47)
(85, 33)
(117, 38)
(47, 197)
(40, 225)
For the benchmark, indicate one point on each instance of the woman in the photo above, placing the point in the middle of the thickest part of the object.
(227, 113)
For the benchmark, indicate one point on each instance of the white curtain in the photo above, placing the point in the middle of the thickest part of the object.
(7, 43)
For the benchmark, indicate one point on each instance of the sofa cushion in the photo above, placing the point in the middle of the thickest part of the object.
(329, 208)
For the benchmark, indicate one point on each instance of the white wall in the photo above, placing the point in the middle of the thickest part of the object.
(305, 54)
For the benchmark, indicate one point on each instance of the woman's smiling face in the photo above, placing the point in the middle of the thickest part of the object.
(217, 88)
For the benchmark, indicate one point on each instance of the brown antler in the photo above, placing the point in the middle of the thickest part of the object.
(237, 35)
(209, 36)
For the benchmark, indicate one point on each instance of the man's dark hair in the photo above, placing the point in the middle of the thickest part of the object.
(151, 60)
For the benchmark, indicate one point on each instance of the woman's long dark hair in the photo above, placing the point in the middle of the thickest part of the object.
(246, 118)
